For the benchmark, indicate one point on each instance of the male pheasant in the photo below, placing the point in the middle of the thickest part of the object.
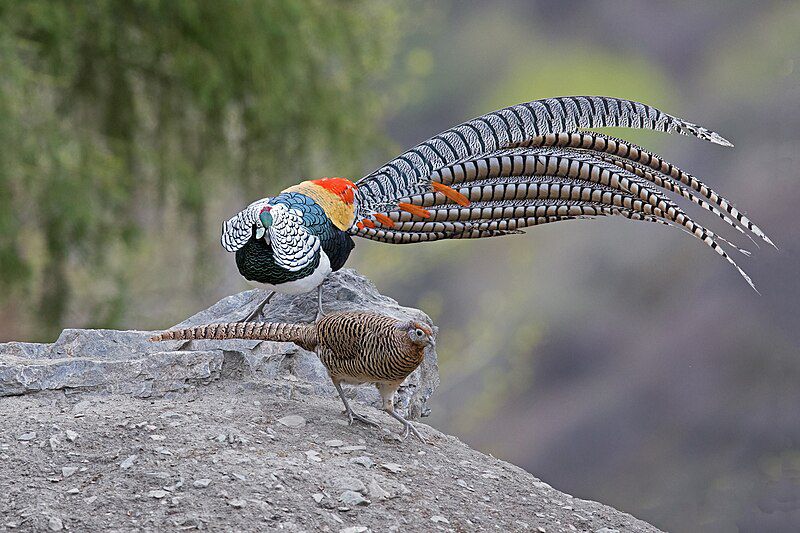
(521, 166)
(354, 347)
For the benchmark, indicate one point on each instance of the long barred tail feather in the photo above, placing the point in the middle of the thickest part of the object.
(631, 153)
(531, 164)
(544, 213)
(303, 335)
(410, 172)
(514, 188)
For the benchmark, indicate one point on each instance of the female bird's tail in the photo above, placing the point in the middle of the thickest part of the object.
(304, 335)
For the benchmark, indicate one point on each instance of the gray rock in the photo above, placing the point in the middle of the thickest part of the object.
(349, 483)
(72, 436)
(292, 421)
(126, 362)
(138, 375)
(394, 468)
(67, 471)
(375, 491)
(363, 461)
(157, 494)
(352, 498)
(201, 483)
(27, 436)
(313, 456)
(356, 448)
(127, 463)
(81, 406)
(55, 524)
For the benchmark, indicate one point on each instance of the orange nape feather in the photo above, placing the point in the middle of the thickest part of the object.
(368, 223)
(414, 210)
(451, 193)
(384, 220)
(342, 187)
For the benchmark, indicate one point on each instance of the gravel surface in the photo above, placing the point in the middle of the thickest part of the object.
(258, 456)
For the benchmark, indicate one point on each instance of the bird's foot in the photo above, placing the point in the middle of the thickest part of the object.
(255, 313)
(411, 429)
(251, 317)
(352, 416)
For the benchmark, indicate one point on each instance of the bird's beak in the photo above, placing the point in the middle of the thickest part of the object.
(260, 232)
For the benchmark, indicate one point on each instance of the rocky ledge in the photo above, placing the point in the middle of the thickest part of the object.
(125, 362)
(124, 435)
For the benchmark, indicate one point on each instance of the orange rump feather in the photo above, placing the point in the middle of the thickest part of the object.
(384, 220)
(414, 210)
(451, 193)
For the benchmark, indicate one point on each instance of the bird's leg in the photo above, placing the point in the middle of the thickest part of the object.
(351, 415)
(257, 311)
(319, 302)
(387, 395)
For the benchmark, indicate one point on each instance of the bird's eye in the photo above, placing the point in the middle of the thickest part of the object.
(419, 333)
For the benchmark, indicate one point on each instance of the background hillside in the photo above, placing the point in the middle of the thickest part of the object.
(621, 362)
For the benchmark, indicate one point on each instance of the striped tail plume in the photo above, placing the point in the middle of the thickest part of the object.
(528, 165)
(304, 335)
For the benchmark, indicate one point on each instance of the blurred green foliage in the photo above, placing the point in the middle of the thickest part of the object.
(113, 112)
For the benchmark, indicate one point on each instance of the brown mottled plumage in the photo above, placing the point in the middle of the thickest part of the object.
(354, 347)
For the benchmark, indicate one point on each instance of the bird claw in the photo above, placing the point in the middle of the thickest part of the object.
(255, 313)
(352, 416)
(410, 428)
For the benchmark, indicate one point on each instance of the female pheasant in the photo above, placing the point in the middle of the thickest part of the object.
(524, 165)
(354, 347)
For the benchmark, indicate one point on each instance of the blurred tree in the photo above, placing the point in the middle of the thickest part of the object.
(113, 112)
